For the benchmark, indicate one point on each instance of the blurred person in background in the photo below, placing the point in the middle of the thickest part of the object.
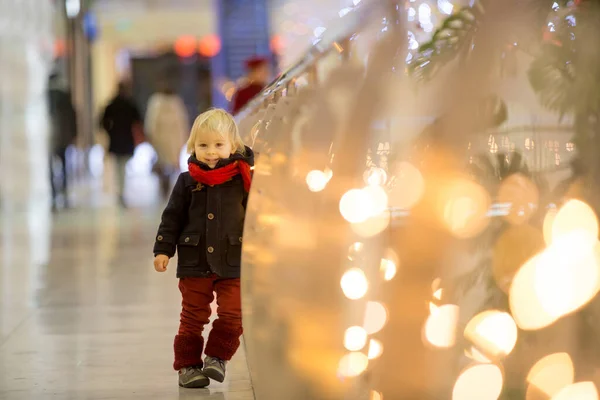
(257, 79)
(63, 131)
(122, 121)
(167, 129)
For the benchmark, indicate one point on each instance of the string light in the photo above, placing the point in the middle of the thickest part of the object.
(354, 284)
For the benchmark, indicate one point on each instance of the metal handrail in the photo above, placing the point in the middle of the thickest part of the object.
(341, 31)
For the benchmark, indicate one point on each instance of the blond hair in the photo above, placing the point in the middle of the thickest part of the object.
(220, 122)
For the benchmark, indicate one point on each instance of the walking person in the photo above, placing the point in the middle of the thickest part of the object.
(167, 129)
(63, 122)
(122, 121)
(256, 80)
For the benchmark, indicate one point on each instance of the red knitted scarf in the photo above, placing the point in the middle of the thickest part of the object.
(223, 174)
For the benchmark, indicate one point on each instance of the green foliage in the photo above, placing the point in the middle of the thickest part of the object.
(453, 37)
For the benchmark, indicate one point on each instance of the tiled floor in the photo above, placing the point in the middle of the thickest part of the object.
(85, 316)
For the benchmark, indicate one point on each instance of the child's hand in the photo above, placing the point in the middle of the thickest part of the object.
(160, 263)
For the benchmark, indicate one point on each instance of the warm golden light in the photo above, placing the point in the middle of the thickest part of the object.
(465, 207)
(522, 195)
(440, 327)
(376, 316)
(376, 396)
(354, 252)
(356, 206)
(435, 285)
(375, 349)
(525, 306)
(576, 216)
(558, 281)
(548, 222)
(409, 186)
(316, 180)
(567, 275)
(388, 267)
(550, 375)
(378, 199)
(516, 245)
(355, 338)
(432, 307)
(494, 332)
(476, 355)
(375, 176)
(578, 391)
(438, 294)
(479, 382)
(354, 283)
(373, 225)
(353, 364)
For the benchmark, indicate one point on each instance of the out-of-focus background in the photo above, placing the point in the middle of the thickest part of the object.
(423, 216)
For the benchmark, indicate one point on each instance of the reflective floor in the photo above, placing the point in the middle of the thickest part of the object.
(83, 315)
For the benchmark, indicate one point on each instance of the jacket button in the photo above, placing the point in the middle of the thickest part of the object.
(187, 239)
(241, 239)
(159, 238)
(211, 249)
(211, 216)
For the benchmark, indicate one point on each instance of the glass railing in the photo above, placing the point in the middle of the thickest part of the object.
(422, 222)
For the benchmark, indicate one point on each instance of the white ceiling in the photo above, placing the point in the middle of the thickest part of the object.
(140, 23)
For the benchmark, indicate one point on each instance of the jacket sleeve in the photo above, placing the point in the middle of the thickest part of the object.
(173, 220)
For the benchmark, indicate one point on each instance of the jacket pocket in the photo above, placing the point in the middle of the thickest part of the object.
(234, 250)
(187, 250)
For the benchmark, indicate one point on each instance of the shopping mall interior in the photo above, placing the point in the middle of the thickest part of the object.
(414, 215)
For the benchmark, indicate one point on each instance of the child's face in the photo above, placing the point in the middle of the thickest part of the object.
(211, 147)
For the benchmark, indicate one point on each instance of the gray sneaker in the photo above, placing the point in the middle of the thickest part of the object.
(192, 377)
(214, 368)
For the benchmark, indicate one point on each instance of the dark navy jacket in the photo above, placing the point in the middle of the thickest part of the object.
(205, 224)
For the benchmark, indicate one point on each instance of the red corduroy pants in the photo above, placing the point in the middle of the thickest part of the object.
(224, 338)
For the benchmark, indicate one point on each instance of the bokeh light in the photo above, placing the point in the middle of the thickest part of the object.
(375, 396)
(476, 355)
(578, 391)
(373, 225)
(355, 206)
(522, 195)
(494, 332)
(389, 269)
(375, 176)
(567, 275)
(378, 199)
(479, 382)
(353, 364)
(516, 245)
(376, 316)
(375, 349)
(550, 375)
(209, 46)
(525, 306)
(548, 222)
(185, 46)
(355, 251)
(355, 338)
(409, 186)
(574, 216)
(440, 327)
(354, 283)
(465, 207)
(316, 180)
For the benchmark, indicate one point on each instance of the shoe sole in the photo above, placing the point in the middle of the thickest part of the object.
(214, 374)
(195, 384)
